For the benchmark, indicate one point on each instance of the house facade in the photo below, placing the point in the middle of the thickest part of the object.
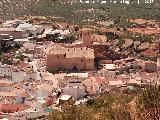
(16, 33)
(64, 57)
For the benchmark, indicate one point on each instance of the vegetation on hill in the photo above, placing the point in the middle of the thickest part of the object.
(139, 104)
(69, 12)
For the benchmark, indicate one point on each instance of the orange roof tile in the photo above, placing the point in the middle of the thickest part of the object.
(71, 52)
(23, 65)
(101, 81)
(13, 107)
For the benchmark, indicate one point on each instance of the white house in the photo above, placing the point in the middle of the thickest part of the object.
(5, 70)
(75, 89)
(21, 41)
(31, 29)
(18, 76)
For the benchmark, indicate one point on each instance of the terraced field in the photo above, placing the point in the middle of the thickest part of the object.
(12, 8)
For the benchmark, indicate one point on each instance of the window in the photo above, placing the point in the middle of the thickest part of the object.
(88, 33)
(81, 35)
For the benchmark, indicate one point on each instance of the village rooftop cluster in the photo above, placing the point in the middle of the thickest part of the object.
(44, 65)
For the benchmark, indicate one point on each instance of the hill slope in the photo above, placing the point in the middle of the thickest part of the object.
(10, 9)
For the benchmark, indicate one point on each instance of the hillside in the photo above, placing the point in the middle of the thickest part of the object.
(10, 9)
(135, 104)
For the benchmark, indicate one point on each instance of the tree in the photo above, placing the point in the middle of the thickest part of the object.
(149, 103)
(72, 113)
(106, 107)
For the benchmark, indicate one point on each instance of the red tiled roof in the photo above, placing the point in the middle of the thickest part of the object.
(100, 38)
(23, 65)
(13, 107)
(119, 77)
(101, 81)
